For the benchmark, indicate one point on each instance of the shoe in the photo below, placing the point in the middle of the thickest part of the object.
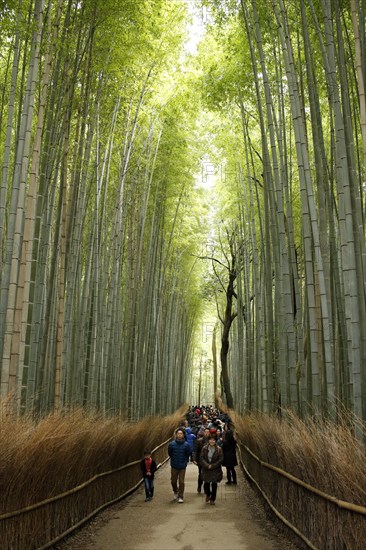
(207, 499)
(212, 502)
(228, 483)
(235, 482)
(147, 499)
(199, 490)
(175, 496)
(180, 500)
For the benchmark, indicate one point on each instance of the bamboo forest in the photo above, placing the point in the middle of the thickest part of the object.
(182, 223)
(157, 194)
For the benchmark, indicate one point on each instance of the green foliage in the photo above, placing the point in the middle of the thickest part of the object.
(224, 65)
(170, 155)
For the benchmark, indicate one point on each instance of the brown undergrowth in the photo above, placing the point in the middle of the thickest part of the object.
(319, 452)
(322, 454)
(40, 459)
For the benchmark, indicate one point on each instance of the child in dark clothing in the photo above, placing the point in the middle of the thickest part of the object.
(148, 469)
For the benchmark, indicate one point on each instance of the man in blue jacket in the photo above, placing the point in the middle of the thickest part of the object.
(179, 452)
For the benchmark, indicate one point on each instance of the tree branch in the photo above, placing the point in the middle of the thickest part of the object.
(212, 259)
(218, 311)
(218, 278)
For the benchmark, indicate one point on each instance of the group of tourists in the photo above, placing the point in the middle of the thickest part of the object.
(207, 440)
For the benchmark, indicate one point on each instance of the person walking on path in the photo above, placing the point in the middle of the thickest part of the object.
(190, 437)
(179, 452)
(200, 442)
(148, 468)
(229, 450)
(219, 436)
(211, 460)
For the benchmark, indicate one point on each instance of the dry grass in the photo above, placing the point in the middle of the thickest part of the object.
(45, 458)
(325, 456)
(321, 453)
(48, 457)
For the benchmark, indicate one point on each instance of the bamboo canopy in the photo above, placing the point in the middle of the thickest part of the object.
(147, 183)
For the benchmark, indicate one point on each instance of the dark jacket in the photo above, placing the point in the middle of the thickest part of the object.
(198, 446)
(179, 452)
(213, 474)
(152, 469)
(229, 449)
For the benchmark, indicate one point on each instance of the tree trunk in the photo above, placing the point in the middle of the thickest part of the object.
(229, 316)
(214, 362)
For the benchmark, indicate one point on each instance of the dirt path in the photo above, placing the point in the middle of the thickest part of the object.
(236, 522)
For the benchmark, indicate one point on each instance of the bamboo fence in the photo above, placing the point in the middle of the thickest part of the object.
(45, 523)
(321, 521)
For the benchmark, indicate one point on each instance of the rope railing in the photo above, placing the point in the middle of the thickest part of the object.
(71, 508)
(319, 519)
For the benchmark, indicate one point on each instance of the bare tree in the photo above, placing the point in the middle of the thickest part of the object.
(225, 274)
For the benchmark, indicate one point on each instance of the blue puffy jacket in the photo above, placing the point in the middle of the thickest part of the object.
(190, 438)
(179, 452)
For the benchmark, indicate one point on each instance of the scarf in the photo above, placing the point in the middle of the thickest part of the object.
(211, 452)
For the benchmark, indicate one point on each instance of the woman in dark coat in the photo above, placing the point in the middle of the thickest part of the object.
(211, 459)
(229, 450)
